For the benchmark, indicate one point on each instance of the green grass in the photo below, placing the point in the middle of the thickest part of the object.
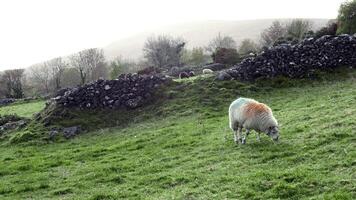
(23, 109)
(182, 148)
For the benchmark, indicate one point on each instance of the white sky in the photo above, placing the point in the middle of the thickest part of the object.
(32, 31)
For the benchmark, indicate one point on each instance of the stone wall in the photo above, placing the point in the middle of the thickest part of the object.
(127, 91)
(300, 60)
(7, 101)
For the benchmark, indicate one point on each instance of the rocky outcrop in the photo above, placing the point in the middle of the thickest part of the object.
(67, 132)
(11, 122)
(128, 91)
(300, 60)
(223, 76)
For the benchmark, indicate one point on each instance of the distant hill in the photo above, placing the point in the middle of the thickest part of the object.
(197, 34)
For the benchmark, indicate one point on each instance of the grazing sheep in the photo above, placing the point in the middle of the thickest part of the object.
(208, 71)
(183, 75)
(251, 115)
(191, 73)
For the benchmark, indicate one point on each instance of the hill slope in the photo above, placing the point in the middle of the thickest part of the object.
(197, 34)
(190, 154)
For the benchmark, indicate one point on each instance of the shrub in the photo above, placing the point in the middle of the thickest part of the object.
(226, 56)
(149, 71)
(329, 29)
(347, 18)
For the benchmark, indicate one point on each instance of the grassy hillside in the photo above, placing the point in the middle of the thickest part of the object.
(182, 148)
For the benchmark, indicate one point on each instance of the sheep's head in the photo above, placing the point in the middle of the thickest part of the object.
(273, 132)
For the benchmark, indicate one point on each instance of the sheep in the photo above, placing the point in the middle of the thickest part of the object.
(208, 71)
(252, 115)
(183, 75)
(191, 74)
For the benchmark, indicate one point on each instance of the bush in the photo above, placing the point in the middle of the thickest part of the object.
(347, 18)
(226, 56)
(149, 71)
(330, 29)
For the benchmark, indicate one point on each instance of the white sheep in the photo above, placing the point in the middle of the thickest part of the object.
(208, 71)
(251, 115)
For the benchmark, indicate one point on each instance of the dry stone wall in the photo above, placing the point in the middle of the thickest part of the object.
(300, 60)
(127, 91)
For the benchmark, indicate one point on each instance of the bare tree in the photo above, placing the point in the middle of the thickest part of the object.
(77, 62)
(40, 76)
(195, 57)
(70, 77)
(219, 41)
(100, 71)
(298, 28)
(247, 46)
(121, 65)
(56, 68)
(86, 61)
(272, 34)
(94, 59)
(13, 82)
(2, 86)
(163, 51)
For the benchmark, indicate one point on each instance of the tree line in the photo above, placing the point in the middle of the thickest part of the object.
(162, 52)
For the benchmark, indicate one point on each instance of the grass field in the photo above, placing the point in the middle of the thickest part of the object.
(23, 109)
(189, 153)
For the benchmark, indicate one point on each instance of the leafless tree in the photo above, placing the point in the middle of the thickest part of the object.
(247, 46)
(86, 61)
(195, 56)
(4, 90)
(56, 68)
(70, 77)
(13, 81)
(270, 35)
(40, 76)
(78, 64)
(219, 41)
(163, 51)
(298, 28)
(100, 71)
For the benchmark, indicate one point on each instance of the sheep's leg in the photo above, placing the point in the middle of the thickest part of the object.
(237, 135)
(235, 127)
(258, 136)
(244, 139)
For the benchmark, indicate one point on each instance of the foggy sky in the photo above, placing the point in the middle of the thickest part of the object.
(37, 30)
